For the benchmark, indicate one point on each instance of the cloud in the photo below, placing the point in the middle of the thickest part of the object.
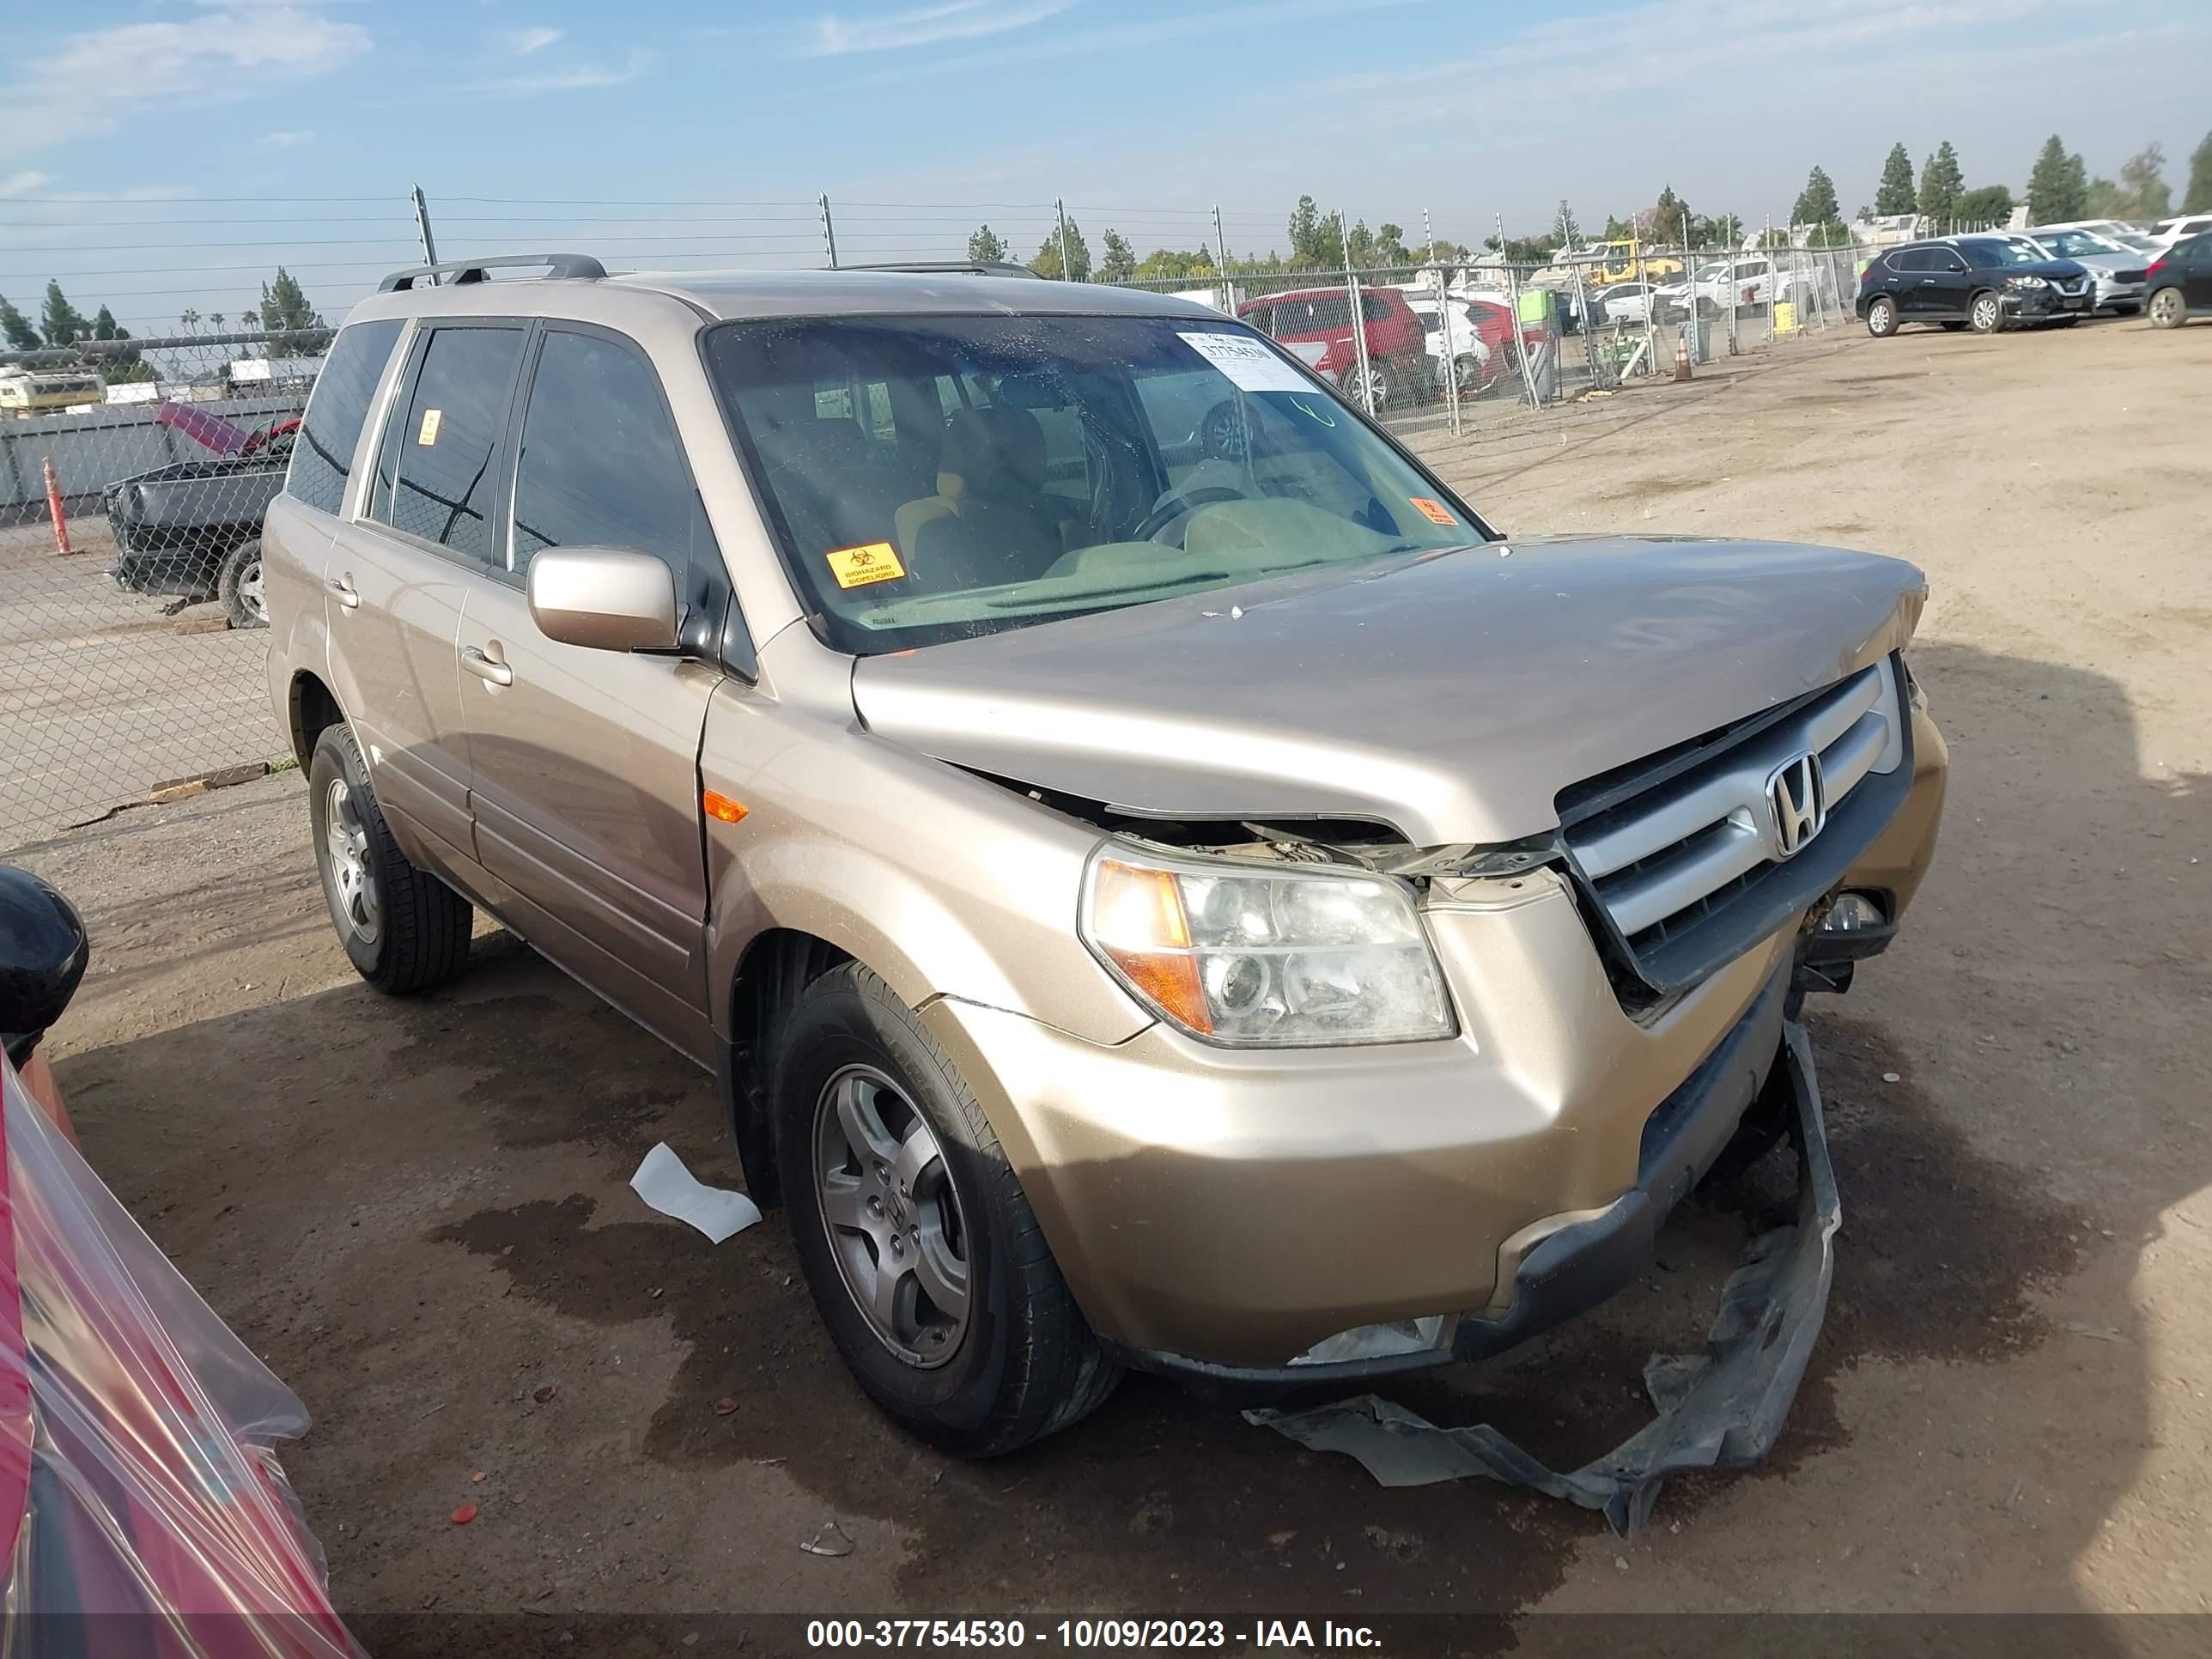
(16, 184)
(580, 78)
(523, 42)
(831, 36)
(230, 49)
(284, 140)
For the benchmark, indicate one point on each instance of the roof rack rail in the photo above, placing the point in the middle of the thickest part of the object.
(579, 266)
(951, 267)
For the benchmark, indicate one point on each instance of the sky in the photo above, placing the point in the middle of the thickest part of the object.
(160, 155)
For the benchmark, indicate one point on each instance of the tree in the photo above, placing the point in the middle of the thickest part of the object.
(189, 321)
(2056, 186)
(285, 303)
(1119, 263)
(1565, 231)
(1941, 182)
(1048, 264)
(1619, 230)
(1816, 203)
(62, 324)
(986, 246)
(1317, 239)
(1162, 263)
(1389, 249)
(1895, 194)
(1671, 219)
(17, 327)
(2197, 197)
(1985, 205)
(2145, 195)
(1724, 231)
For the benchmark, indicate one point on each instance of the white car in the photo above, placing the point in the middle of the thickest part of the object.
(2112, 230)
(1467, 353)
(1724, 283)
(1627, 302)
(2121, 270)
(2167, 232)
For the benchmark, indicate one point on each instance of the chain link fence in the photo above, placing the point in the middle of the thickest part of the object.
(133, 477)
(134, 472)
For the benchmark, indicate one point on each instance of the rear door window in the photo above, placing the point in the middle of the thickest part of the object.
(433, 476)
(600, 465)
(322, 456)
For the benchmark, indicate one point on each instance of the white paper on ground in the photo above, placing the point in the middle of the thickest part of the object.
(663, 1182)
(1248, 364)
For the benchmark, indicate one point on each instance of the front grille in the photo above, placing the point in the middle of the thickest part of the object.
(1685, 868)
(2073, 284)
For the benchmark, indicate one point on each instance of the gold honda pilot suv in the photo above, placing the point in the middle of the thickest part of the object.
(1158, 880)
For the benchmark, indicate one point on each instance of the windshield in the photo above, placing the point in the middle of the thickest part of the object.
(936, 478)
(2073, 244)
(1991, 254)
(1714, 273)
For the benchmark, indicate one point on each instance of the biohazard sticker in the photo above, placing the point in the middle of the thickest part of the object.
(1434, 512)
(431, 419)
(856, 567)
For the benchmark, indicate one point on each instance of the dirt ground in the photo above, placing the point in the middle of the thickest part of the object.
(418, 1211)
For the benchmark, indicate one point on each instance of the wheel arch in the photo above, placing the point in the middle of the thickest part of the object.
(311, 709)
(777, 965)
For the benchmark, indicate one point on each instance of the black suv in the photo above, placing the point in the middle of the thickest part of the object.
(2181, 281)
(1981, 282)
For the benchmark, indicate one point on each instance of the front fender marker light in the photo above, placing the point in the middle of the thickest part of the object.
(1138, 921)
(721, 808)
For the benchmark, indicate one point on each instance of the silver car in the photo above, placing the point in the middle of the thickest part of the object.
(2122, 272)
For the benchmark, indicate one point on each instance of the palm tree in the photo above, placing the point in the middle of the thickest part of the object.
(189, 321)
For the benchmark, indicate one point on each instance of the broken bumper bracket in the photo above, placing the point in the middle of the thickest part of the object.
(1721, 1409)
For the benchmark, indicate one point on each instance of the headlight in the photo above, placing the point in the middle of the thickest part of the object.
(1255, 959)
(2026, 282)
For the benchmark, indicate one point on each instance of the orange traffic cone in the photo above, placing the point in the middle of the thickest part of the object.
(1681, 356)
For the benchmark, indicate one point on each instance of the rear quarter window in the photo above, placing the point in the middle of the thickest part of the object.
(322, 455)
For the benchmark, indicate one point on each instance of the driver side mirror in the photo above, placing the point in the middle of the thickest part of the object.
(605, 598)
(43, 950)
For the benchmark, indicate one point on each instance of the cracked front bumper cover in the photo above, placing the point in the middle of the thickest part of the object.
(1719, 1409)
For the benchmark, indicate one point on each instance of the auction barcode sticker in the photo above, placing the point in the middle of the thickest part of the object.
(1246, 362)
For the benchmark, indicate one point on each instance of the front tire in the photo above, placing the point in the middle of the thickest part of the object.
(237, 585)
(917, 1241)
(403, 929)
(1881, 317)
(2169, 309)
(1984, 313)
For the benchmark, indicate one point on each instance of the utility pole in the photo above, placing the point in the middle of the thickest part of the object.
(423, 228)
(1221, 249)
(1428, 238)
(829, 230)
(1367, 387)
(1066, 270)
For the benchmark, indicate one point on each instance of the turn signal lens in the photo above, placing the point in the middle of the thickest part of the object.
(721, 808)
(1137, 919)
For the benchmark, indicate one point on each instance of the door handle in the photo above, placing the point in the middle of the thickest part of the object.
(341, 589)
(486, 667)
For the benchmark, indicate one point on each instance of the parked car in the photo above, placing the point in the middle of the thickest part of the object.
(2118, 270)
(1465, 354)
(2112, 230)
(1114, 941)
(2180, 282)
(193, 528)
(1984, 283)
(2167, 232)
(1747, 284)
(1625, 302)
(1397, 371)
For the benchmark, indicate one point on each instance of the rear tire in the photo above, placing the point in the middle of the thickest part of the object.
(1985, 313)
(1016, 1361)
(1881, 317)
(403, 929)
(2169, 309)
(237, 585)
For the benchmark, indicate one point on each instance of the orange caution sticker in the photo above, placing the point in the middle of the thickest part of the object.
(431, 419)
(856, 567)
(1434, 512)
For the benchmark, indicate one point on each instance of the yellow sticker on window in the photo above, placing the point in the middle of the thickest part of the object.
(856, 567)
(428, 434)
(1434, 512)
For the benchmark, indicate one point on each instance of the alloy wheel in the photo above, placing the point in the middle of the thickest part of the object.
(1985, 314)
(893, 1216)
(250, 593)
(354, 897)
(2166, 309)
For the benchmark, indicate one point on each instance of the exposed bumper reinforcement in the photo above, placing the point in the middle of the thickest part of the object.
(1719, 1409)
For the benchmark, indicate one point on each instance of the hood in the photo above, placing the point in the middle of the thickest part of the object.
(1452, 696)
(2069, 269)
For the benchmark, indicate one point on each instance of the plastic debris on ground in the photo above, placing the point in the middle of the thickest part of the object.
(1719, 1409)
(663, 1182)
(141, 1506)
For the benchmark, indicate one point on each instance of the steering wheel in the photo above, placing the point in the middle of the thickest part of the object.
(1177, 504)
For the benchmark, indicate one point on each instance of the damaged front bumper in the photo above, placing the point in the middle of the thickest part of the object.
(1719, 1409)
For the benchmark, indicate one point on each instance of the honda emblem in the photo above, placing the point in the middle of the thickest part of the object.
(1797, 798)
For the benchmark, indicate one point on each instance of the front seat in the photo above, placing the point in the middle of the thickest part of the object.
(990, 521)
